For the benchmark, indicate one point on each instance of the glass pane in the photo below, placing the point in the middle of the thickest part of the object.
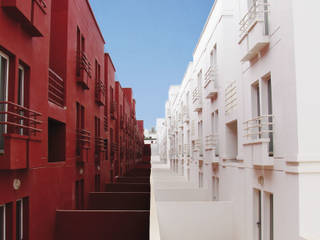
(2, 223)
(3, 87)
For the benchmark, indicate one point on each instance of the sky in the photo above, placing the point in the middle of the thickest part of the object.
(151, 43)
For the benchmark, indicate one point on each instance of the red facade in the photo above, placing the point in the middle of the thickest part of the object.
(66, 126)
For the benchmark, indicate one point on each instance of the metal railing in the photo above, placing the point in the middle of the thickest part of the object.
(231, 97)
(198, 146)
(257, 12)
(211, 141)
(196, 99)
(18, 119)
(56, 89)
(259, 127)
(210, 76)
(85, 64)
(105, 122)
(100, 92)
(99, 144)
(187, 149)
(83, 137)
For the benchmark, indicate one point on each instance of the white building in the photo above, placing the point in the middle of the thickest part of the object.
(244, 123)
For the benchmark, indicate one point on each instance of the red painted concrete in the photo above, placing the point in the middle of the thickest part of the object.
(43, 38)
(119, 201)
(102, 225)
(127, 187)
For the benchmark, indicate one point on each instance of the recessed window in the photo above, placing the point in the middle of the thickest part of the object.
(2, 222)
(4, 76)
(19, 220)
(56, 141)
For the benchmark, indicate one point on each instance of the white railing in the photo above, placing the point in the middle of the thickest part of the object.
(231, 97)
(199, 147)
(187, 149)
(212, 141)
(196, 99)
(260, 127)
(210, 76)
(258, 12)
(185, 112)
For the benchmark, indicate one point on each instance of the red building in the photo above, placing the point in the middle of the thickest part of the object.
(66, 127)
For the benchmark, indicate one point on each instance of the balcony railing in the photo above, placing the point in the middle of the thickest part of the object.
(259, 134)
(256, 13)
(196, 99)
(99, 144)
(113, 108)
(231, 97)
(211, 142)
(18, 119)
(210, 90)
(254, 24)
(186, 116)
(198, 146)
(105, 123)
(259, 128)
(83, 137)
(85, 70)
(56, 89)
(114, 147)
(187, 150)
(100, 92)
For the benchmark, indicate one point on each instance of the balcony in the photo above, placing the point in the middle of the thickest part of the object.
(114, 147)
(254, 30)
(199, 147)
(56, 89)
(186, 116)
(231, 97)
(100, 93)
(105, 123)
(196, 100)
(113, 108)
(187, 150)
(19, 127)
(210, 90)
(211, 142)
(259, 137)
(31, 14)
(121, 123)
(84, 70)
(83, 145)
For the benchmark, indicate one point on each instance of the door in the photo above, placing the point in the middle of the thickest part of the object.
(4, 75)
(257, 215)
(21, 87)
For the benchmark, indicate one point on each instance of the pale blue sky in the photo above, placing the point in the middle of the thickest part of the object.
(151, 43)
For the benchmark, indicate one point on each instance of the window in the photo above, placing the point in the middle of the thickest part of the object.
(215, 188)
(2, 222)
(97, 183)
(268, 216)
(213, 56)
(80, 122)
(80, 50)
(56, 141)
(4, 76)
(19, 219)
(232, 140)
(257, 214)
(21, 88)
(97, 126)
(79, 194)
(262, 109)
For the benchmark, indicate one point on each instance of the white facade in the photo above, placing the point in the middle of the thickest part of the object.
(243, 124)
